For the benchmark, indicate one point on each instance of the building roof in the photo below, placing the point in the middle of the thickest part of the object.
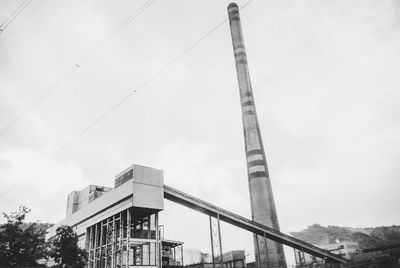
(171, 243)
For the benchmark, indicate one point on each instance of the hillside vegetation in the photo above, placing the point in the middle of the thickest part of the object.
(366, 237)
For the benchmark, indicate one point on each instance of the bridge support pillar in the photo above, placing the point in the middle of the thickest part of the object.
(216, 244)
(261, 247)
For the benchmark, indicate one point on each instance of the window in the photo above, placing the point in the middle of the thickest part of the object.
(143, 253)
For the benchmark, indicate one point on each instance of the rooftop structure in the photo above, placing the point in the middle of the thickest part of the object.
(79, 199)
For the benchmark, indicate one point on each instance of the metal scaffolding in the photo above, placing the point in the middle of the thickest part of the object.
(128, 238)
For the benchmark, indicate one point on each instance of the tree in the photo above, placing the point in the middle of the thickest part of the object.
(65, 248)
(21, 246)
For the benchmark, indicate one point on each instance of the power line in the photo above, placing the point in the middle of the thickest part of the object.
(14, 14)
(126, 97)
(33, 104)
(166, 14)
(8, 189)
(15, 28)
(71, 70)
(117, 30)
(145, 83)
(74, 67)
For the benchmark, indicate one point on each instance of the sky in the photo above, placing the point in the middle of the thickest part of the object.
(326, 86)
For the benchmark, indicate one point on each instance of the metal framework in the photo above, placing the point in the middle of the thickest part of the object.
(172, 253)
(299, 257)
(197, 204)
(216, 243)
(261, 246)
(132, 237)
(128, 238)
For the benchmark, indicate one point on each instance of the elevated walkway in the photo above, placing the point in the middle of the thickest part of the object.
(199, 205)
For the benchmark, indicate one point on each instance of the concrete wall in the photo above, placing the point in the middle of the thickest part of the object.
(72, 202)
(79, 199)
(148, 187)
(145, 190)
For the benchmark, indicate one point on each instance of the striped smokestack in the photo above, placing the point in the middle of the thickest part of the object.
(267, 252)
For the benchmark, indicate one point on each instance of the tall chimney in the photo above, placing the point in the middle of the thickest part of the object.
(267, 252)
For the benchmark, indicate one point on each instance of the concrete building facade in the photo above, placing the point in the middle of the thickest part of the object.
(119, 227)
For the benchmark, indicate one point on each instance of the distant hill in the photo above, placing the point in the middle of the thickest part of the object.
(366, 237)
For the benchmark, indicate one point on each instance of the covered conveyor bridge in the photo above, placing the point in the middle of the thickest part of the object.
(189, 201)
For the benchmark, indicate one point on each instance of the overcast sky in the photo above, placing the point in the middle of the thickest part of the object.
(325, 76)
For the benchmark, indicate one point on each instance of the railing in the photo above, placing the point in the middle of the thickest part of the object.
(168, 190)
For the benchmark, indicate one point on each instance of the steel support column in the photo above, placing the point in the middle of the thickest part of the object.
(158, 242)
(182, 255)
(216, 244)
(128, 234)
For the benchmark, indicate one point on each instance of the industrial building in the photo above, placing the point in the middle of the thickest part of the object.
(119, 227)
(231, 259)
(345, 249)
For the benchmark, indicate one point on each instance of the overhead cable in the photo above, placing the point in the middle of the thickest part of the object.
(74, 67)
(14, 14)
(145, 83)
(11, 32)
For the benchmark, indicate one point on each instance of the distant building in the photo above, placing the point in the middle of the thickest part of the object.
(119, 227)
(231, 259)
(344, 249)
